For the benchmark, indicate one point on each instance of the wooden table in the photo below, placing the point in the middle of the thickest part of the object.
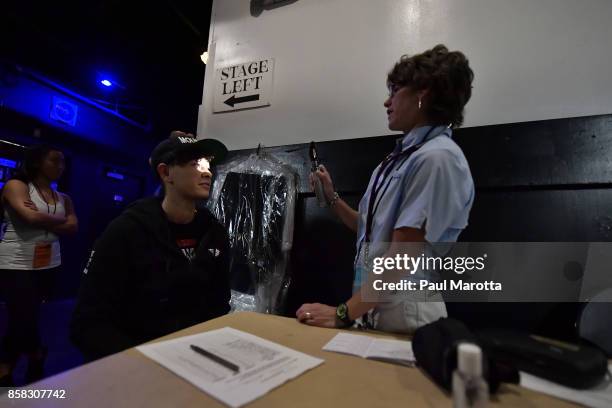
(129, 379)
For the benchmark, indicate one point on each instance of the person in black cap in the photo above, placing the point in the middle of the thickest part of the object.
(162, 265)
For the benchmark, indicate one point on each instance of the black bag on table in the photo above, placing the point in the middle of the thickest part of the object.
(435, 350)
(574, 365)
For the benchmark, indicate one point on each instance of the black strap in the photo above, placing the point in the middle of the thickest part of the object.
(386, 166)
(379, 199)
(55, 200)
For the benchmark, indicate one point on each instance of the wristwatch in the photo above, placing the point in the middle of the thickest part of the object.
(334, 199)
(342, 316)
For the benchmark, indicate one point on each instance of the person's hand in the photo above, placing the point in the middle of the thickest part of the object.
(317, 314)
(30, 204)
(326, 181)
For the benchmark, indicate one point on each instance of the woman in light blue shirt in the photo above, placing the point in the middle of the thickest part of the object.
(421, 193)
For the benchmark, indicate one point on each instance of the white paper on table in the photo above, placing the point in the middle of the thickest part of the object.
(264, 365)
(596, 397)
(395, 351)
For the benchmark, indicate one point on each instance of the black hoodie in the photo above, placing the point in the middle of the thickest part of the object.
(138, 285)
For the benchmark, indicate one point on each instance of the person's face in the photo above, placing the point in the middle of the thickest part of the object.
(52, 166)
(402, 105)
(192, 179)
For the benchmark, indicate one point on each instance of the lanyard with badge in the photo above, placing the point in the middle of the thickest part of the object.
(378, 190)
(42, 250)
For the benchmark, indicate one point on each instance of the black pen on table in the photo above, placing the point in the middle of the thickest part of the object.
(215, 358)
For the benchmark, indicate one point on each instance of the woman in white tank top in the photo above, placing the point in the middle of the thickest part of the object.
(34, 215)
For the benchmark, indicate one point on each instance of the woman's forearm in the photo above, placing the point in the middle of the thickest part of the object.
(357, 307)
(349, 217)
(69, 227)
(404, 241)
(43, 220)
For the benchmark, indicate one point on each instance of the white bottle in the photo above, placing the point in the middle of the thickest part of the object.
(470, 390)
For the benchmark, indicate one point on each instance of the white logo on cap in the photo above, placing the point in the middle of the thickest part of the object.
(183, 139)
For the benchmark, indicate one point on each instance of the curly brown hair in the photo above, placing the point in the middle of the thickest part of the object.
(446, 74)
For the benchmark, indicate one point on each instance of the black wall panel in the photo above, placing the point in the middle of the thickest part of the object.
(553, 152)
(322, 256)
(572, 215)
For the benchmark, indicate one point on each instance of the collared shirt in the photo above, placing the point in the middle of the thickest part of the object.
(432, 188)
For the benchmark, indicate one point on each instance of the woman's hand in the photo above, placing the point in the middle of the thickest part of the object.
(317, 314)
(326, 181)
(30, 204)
(349, 217)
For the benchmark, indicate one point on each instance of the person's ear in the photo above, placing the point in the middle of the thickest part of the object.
(163, 171)
(422, 94)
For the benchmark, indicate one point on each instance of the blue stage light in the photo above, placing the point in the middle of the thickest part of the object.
(115, 175)
(106, 82)
(8, 163)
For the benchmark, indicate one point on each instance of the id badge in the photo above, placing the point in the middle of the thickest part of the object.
(359, 271)
(360, 268)
(42, 255)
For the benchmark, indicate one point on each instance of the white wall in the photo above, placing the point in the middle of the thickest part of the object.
(532, 59)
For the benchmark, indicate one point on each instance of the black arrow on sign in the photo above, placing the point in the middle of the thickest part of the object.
(233, 100)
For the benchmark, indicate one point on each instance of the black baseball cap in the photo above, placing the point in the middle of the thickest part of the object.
(181, 149)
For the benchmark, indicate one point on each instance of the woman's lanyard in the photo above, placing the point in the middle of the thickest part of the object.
(55, 199)
(375, 193)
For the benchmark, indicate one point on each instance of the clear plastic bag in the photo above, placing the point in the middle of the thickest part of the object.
(254, 197)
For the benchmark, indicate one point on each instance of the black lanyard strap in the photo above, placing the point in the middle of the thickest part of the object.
(387, 166)
(379, 199)
(55, 199)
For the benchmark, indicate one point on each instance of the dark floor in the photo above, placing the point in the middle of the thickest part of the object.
(54, 320)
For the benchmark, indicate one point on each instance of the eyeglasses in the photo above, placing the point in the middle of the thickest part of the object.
(394, 89)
